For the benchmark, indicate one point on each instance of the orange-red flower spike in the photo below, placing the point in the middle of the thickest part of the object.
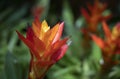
(111, 44)
(45, 46)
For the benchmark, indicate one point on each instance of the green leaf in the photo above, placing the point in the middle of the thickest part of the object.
(71, 30)
(5, 13)
(18, 14)
(12, 67)
(12, 42)
(96, 52)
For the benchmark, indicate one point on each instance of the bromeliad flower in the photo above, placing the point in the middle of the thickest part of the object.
(95, 15)
(45, 46)
(110, 46)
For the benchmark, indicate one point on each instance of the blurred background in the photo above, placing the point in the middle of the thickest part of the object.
(77, 63)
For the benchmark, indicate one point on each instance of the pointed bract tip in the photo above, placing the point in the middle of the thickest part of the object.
(62, 23)
(106, 29)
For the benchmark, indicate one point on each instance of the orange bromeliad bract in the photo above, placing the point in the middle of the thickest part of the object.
(95, 15)
(45, 46)
(111, 45)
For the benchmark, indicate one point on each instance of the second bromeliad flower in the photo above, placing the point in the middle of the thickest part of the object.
(110, 46)
(45, 46)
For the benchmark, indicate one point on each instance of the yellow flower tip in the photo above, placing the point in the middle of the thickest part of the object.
(45, 26)
(44, 21)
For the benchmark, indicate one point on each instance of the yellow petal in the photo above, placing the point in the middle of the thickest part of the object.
(45, 26)
(44, 29)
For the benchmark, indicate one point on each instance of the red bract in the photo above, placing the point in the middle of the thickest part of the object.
(45, 46)
(95, 15)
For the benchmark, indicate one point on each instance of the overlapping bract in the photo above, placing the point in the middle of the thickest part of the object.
(45, 46)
